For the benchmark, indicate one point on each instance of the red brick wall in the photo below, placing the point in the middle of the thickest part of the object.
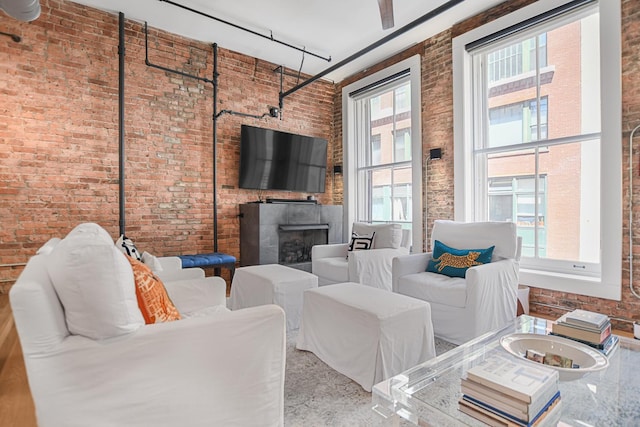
(59, 133)
(437, 132)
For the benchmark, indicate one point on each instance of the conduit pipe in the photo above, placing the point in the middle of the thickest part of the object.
(631, 211)
(121, 154)
(239, 27)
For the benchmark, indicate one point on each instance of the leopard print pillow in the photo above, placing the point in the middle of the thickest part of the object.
(455, 262)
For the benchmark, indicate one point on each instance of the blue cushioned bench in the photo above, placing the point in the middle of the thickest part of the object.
(214, 259)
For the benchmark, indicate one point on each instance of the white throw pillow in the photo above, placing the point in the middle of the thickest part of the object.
(152, 262)
(94, 282)
(387, 235)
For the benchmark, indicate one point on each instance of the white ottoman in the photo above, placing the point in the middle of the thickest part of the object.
(272, 284)
(366, 333)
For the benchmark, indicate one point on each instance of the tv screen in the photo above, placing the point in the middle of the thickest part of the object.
(275, 160)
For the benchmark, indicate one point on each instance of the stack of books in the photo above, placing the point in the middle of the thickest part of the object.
(587, 327)
(503, 391)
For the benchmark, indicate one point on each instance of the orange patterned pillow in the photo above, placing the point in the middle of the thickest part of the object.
(153, 300)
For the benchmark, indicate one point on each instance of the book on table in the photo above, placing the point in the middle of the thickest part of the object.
(586, 318)
(522, 380)
(490, 416)
(504, 387)
(605, 347)
(504, 402)
(584, 333)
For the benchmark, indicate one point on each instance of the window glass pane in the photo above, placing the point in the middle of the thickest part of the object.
(573, 201)
(376, 157)
(403, 98)
(403, 145)
(402, 190)
(381, 195)
(518, 92)
(560, 218)
(515, 202)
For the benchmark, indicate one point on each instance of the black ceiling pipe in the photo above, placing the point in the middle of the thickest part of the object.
(424, 18)
(239, 27)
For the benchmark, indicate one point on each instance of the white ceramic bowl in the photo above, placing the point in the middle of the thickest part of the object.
(589, 359)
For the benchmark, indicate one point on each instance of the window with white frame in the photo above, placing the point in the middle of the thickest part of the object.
(536, 144)
(384, 153)
(382, 146)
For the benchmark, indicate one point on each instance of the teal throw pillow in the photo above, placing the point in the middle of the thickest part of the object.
(455, 262)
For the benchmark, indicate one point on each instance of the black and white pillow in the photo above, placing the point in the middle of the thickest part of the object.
(361, 242)
(128, 248)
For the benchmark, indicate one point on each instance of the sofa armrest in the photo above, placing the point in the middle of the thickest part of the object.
(492, 289)
(408, 264)
(172, 270)
(195, 294)
(170, 263)
(329, 251)
(205, 366)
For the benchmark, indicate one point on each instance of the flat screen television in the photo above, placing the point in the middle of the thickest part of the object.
(275, 160)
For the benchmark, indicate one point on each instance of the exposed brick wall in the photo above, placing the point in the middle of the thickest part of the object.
(59, 133)
(437, 132)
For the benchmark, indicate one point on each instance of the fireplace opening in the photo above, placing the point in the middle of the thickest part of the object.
(295, 242)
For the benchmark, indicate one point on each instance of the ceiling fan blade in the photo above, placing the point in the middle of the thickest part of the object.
(386, 13)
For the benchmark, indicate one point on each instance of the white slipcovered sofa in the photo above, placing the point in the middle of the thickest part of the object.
(334, 263)
(484, 300)
(201, 370)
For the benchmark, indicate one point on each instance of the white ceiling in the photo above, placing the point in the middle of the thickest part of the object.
(329, 28)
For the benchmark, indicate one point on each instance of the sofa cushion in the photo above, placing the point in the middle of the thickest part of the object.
(455, 262)
(94, 282)
(387, 235)
(153, 301)
(435, 288)
(127, 247)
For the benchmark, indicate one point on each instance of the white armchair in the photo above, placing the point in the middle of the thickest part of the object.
(335, 264)
(201, 370)
(486, 299)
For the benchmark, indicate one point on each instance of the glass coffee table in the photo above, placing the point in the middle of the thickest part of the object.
(428, 394)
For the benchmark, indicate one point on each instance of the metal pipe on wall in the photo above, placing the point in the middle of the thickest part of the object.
(121, 195)
(215, 144)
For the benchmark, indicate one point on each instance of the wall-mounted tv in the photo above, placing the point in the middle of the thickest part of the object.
(275, 160)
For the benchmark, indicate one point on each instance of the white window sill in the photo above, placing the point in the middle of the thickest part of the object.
(581, 285)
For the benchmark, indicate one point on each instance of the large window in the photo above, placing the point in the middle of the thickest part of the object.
(383, 150)
(533, 133)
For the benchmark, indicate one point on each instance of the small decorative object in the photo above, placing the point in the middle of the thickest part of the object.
(535, 356)
(584, 359)
(557, 360)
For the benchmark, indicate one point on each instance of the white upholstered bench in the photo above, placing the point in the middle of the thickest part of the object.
(365, 333)
(272, 284)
